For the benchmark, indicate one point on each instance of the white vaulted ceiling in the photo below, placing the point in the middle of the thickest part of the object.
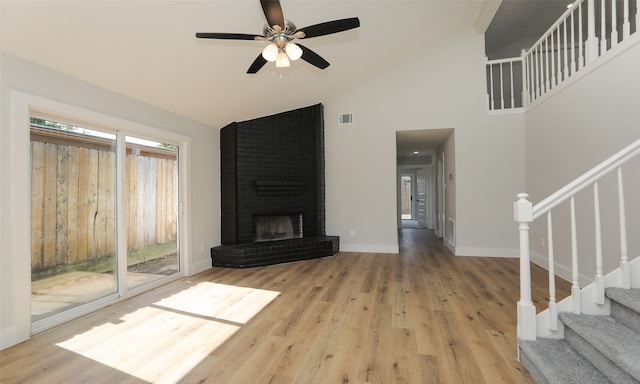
(147, 50)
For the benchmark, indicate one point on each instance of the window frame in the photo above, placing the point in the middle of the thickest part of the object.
(23, 106)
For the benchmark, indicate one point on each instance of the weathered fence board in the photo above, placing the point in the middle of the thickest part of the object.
(83, 203)
(49, 205)
(92, 203)
(37, 202)
(73, 203)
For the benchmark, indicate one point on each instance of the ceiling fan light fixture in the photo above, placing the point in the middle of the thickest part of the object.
(293, 51)
(270, 52)
(279, 32)
(282, 61)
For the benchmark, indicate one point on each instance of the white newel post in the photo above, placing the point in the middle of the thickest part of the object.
(592, 40)
(523, 214)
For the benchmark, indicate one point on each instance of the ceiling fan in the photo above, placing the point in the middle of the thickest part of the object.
(280, 32)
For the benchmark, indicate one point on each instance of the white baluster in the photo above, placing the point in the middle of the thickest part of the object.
(553, 310)
(532, 77)
(501, 87)
(626, 25)
(546, 63)
(511, 83)
(565, 49)
(614, 25)
(599, 279)
(560, 76)
(580, 38)
(603, 27)
(539, 64)
(592, 40)
(523, 214)
(624, 259)
(554, 81)
(534, 72)
(526, 96)
(491, 98)
(575, 283)
(573, 44)
(637, 17)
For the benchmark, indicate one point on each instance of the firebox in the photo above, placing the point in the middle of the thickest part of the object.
(278, 227)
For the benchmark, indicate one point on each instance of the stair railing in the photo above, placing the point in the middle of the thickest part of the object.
(572, 43)
(525, 213)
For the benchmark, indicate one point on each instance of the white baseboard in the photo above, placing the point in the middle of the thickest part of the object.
(369, 248)
(10, 336)
(486, 252)
(560, 270)
(200, 265)
(449, 244)
(635, 272)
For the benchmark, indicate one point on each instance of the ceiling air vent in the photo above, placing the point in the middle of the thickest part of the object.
(345, 118)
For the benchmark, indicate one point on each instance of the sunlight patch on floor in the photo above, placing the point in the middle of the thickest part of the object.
(220, 301)
(143, 343)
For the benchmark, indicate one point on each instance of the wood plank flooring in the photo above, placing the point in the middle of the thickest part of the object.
(423, 316)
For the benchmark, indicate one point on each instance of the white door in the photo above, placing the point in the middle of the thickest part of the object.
(421, 209)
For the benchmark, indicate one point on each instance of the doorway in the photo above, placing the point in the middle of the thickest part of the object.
(420, 162)
(412, 209)
(406, 197)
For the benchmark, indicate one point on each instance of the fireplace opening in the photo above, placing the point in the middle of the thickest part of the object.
(277, 227)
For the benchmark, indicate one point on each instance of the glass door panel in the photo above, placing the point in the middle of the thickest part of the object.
(406, 199)
(73, 217)
(152, 210)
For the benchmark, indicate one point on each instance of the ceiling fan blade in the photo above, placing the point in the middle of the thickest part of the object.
(313, 58)
(330, 27)
(227, 36)
(257, 64)
(273, 12)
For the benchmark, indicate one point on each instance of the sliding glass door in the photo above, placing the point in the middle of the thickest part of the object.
(73, 217)
(77, 256)
(152, 210)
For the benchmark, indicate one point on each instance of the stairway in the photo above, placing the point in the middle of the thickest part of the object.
(595, 349)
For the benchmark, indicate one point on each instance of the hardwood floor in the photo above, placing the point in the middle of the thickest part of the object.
(423, 316)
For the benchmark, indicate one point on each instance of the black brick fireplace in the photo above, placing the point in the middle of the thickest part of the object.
(272, 190)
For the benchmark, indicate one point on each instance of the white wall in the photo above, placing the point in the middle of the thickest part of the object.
(444, 88)
(574, 130)
(447, 151)
(19, 75)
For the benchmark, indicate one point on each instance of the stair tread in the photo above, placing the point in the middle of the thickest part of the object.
(630, 298)
(613, 339)
(558, 362)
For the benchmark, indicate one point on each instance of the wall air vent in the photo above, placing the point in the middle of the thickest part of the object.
(345, 118)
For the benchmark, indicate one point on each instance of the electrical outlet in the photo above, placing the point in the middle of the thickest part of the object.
(352, 233)
(542, 242)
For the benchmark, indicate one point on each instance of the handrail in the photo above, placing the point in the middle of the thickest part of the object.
(586, 179)
(555, 25)
(571, 44)
(525, 213)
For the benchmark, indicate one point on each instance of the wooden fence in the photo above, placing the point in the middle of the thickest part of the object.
(73, 207)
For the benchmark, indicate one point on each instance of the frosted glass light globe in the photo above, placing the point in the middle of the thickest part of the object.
(270, 52)
(293, 51)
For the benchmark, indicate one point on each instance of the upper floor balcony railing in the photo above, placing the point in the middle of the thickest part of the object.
(587, 31)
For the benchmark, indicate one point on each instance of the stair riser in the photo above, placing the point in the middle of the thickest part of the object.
(531, 367)
(600, 361)
(626, 316)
